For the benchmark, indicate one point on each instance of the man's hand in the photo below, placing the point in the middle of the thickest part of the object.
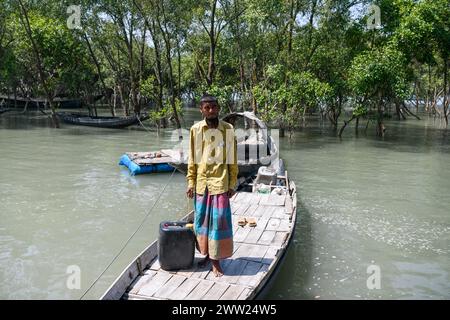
(231, 193)
(190, 192)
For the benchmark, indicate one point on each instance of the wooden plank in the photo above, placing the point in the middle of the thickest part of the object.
(250, 197)
(276, 199)
(273, 224)
(154, 284)
(255, 198)
(279, 239)
(267, 211)
(261, 223)
(235, 228)
(261, 274)
(169, 287)
(251, 252)
(236, 246)
(244, 251)
(280, 213)
(188, 272)
(200, 290)
(243, 197)
(232, 293)
(264, 199)
(240, 211)
(266, 237)
(131, 272)
(258, 212)
(253, 235)
(260, 197)
(155, 265)
(235, 206)
(141, 281)
(255, 273)
(285, 226)
(186, 287)
(249, 276)
(250, 210)
(241, 234)
(131, 296)
(244, 294)
(201, 272)
(235, 198)
(258, 252)
(288, 207)
(231, 272)
(271, 255)
(216, 291)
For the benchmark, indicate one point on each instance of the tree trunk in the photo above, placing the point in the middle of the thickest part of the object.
(26, 24)
(345, 125)
(416, 93)
(399, 112)
(115, 100)
(123, 103)
(212, 46)
(165, 34)
(97, 65)
(179, 70)
(380, 130)
(444, 102)
(152, 28)
(409, 111)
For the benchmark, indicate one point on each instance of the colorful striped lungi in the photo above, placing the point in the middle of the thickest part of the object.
(212, 225)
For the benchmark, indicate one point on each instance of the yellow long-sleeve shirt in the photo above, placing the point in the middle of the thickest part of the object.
(212, 160)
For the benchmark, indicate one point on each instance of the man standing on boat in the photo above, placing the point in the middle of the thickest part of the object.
(212, 177)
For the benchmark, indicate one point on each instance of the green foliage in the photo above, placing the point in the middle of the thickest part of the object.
(224, 94)
(64, 59)
(290, 56)
(294, 92)
(166, 111)
(378, 73)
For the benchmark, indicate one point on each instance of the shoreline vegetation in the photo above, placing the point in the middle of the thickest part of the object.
(353, 63)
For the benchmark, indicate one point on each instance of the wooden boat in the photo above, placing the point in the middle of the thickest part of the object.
(3, 110)
(258, 252)
(32, 103)
(256, 138)
(102, 122)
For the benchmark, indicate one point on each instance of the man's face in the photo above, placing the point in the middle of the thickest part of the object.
(210, 110)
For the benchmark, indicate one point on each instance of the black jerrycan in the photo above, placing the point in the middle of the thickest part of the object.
(176, 245)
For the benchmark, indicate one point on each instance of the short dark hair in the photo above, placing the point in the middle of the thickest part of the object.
(208, 98)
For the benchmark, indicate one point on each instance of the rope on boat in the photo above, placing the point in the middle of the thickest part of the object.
(131, 237)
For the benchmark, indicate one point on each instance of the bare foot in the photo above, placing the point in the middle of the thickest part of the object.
(216, 268)
(203, 262)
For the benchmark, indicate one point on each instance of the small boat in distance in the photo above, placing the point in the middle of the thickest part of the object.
(100, 121)
(263, 228)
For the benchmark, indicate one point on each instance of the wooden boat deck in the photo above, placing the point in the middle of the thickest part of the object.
(257, 251)
(149, 158)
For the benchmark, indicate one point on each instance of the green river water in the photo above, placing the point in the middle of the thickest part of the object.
(362, 202)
